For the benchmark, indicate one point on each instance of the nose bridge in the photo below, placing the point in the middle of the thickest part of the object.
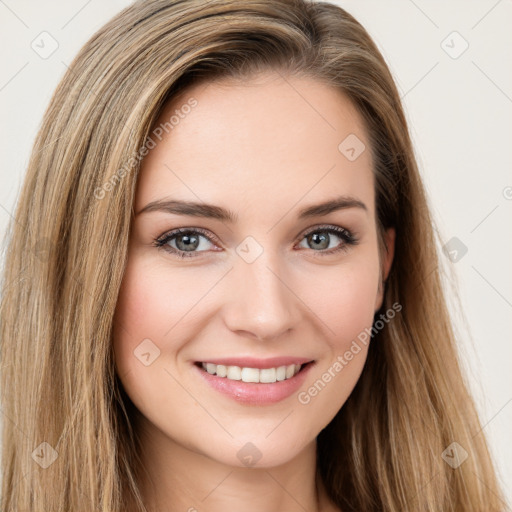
(262, 305)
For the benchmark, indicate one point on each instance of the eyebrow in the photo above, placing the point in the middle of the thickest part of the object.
(211, 211)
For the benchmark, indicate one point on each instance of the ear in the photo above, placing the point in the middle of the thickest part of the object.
(387, 260)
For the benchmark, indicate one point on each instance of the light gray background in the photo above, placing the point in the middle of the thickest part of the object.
(460, 112)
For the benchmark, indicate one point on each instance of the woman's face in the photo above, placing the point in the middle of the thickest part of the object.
(284, 281)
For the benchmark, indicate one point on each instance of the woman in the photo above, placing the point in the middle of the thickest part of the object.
(231, 304)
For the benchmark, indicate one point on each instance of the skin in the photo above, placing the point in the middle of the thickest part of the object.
(264, 149)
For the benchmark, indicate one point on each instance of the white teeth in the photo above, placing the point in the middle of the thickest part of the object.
(290, 370)
(222, 370)
(234, 373)
(266, 375)
(250, 375)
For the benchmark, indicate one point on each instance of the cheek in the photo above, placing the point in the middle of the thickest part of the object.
(148, 333)
(157, 310)
(153, 305)
(143, 315)
(344, 298)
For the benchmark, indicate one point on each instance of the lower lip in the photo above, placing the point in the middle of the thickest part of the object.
(256, 393)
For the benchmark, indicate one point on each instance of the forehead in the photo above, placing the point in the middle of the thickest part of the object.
(269, 141)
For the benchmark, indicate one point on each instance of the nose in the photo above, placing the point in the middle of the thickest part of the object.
(262, 303)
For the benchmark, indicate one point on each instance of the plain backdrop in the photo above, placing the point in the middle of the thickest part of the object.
(452, 63)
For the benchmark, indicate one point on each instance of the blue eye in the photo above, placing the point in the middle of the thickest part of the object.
(187, 242)
(321, 237)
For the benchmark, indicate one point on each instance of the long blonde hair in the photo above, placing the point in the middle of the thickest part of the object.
(67, 250)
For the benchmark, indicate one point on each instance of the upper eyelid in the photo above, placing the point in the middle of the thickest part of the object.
(319, 227)
(178, 231)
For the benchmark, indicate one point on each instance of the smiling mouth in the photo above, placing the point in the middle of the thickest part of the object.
(253, 375)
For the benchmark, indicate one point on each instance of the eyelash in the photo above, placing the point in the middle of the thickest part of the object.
(348, 240)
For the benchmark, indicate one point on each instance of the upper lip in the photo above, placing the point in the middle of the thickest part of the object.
(252, 362)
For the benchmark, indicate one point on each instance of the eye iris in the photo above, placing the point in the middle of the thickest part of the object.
(190, 242)
(322, 239)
